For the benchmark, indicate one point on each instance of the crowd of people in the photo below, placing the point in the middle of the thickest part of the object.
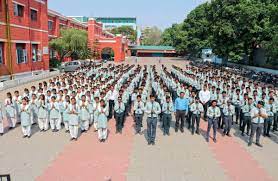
(93, 95)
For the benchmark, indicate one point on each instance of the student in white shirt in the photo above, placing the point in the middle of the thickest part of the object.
(204, 96)
(258, 115)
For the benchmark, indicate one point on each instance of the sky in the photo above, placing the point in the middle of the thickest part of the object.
(160, 13)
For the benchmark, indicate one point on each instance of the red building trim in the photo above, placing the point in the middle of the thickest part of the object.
(29, 25)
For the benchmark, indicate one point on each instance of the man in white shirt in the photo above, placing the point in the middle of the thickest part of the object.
(204, 96)
(258, 115)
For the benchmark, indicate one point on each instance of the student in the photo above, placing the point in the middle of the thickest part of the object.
(197, 109)
(84, 114)
(167, 110)
(213, 114)
(228, 112)
(1, 120)
(138, 114)
(246, 111)
(96, 113)
(119, 116)
(102, 121)
(54, 115)
(17, 100)
(271, 109)
(66, 104)
(258, 115)
(25, 118)
(153, 110)
(34, 109)
(42, 113)
(73, 110)
(10, 111)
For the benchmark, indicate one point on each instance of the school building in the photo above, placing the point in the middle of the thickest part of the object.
(27, 26)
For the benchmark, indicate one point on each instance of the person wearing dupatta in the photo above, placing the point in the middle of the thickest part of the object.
(10, 111)
(96, 105)
(73, 110)
(54, 115)
(103, 112)
(42, 113)
(84, 114)
(25, 117)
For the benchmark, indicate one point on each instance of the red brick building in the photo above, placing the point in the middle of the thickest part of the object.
(27, 26)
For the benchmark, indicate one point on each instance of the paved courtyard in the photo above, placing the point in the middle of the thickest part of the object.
(51, 156)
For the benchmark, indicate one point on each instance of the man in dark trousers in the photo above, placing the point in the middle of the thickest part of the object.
(181, 109)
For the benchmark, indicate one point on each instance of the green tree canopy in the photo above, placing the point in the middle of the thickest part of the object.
(126, 31)
(151, 36)
(234, 29)
(72, 43)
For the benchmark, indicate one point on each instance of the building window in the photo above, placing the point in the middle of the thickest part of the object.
(18, 10)
(1, 53)
(34, 15)
(34, 52)
(50, 25)
(21, 53)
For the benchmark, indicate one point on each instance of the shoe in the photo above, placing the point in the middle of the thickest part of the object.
(182, 130)
(29, 137)
(153, 143)
(71, 139)
(197, 132)
(168, 134)
(229, 135)
(24, 136)
(164, 134)
(1, 134)
(10, 128)
(224, 133)
(176, 130)
(75, 139)
(242, 134)
(67, 131)
(259, 145)
(268, 135)
(207, 139)
(149, 143)
(192, 132)
(250, 143)
(214, 140)
(236, 122)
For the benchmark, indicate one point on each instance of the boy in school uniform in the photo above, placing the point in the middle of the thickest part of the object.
(271, 110)
(229, 112)
(197, 109)
(213, 114)
(167, 110)
(138, 108)
(119, 109)
(152, 109)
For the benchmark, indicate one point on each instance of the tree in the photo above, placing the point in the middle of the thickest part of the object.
(151, 36)
(176, 37)
(72, 43)
(127, 31)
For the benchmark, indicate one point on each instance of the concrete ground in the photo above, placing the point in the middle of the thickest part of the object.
(178, 157)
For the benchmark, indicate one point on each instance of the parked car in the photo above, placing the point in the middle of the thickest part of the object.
(71, 66)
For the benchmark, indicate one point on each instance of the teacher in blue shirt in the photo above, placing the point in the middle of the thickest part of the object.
(181, 110)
